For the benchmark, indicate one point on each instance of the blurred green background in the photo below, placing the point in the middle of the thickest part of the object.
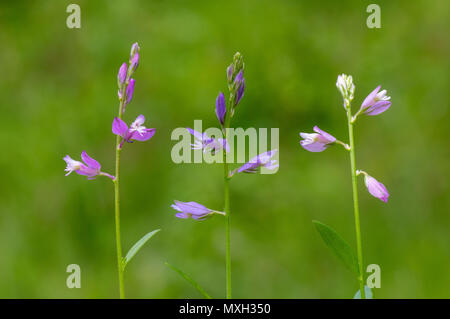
(59, 96)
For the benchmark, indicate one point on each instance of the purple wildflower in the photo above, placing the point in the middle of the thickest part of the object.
(316, 142)
(137, 130)
(122, 75)
(261, 160)
(221, 108)
(206, 143)
(376, 188)
(376, 102)
(193, 210)
(90, 167)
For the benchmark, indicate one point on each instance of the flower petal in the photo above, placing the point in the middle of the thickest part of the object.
(313, 147)
(144, 136)
(370, 99)
(90, 162)
(378, 108)
(119, 127)
(328, 137)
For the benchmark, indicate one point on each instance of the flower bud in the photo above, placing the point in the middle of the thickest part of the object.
(134, 49)
(129, 92)
(122, 75)
(346, 87)
(134, 63)
(230, 73)
(376, 188)
(221, 108)
(238, 62)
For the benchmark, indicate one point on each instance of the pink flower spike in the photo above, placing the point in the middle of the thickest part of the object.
(316, 142)
(376, 188)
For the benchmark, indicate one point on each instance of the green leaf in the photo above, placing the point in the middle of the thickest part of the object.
(190, 280)
(338, 245)
(138, 246)
(367, 291)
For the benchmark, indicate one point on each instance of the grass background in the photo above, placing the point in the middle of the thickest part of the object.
(59, 96)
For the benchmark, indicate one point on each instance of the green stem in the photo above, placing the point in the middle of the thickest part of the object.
(117, 210)
(227, 201)
(355, 202)
(227, 228)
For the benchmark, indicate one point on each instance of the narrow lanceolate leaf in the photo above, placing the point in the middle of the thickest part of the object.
(190, 280)
(136, 247)
(338, 245)
(367, 291)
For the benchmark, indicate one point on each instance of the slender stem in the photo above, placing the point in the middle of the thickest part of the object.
(227, 228)
(227, 200)
(355, 203)
(117, 210)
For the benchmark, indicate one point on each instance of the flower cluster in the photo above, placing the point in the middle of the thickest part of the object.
(137, 131)
(236, 88)
(375, 103)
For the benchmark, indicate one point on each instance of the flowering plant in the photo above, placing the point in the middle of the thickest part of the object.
(375, 103)
(136, 132)
(196, 211)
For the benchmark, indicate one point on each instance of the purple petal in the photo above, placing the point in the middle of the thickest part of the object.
(313, 147)
(196, 134)
(87, 171)
(139, 120)
(119, 127)
(370, 99)
(92, 163)
(221, 108)
(378, 108)
(328, 137)
(144, 136)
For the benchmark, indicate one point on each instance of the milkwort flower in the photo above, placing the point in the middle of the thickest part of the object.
(261, 160)
(90, 167)
(376, 102)
(137, 131)
(316, 142)
(206, 143)
(193, 210)
(375, 188)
